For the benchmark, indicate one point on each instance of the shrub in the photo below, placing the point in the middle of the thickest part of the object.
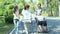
(9, 18)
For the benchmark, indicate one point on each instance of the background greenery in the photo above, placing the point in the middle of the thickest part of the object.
(50, 8)
(6, 7)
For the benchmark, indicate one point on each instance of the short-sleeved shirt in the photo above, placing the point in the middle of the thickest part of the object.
(38, 11)
(26, 14)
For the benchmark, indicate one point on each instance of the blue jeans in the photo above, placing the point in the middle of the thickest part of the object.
(16, 23)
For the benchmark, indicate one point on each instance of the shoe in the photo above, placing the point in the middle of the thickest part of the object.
(45, 31)
(39, 32)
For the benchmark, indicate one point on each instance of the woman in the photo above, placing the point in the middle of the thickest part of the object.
(40, 19)
(26, 17)
(16, 18)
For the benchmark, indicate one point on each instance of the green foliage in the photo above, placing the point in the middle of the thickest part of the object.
(20, 10)
(53, 7)
(6, 7)
(9, 18)
(11, 6)
(2, 21)
(0, 12)
(5, 28)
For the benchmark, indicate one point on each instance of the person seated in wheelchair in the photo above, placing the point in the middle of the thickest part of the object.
(41, 19)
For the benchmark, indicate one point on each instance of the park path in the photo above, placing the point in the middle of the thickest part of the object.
(53, 27)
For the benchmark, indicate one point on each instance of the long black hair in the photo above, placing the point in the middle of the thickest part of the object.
(15, 8)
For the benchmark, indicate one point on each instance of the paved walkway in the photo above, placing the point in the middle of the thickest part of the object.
(53, 26)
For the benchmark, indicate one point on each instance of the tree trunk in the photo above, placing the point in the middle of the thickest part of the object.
(59, 8)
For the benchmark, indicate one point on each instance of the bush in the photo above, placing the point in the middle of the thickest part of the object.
(9, 14)
(9, 18)
(2, 21)
(11, 6)
(20, 10)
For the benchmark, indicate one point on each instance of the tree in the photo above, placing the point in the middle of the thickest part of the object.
(59, 7)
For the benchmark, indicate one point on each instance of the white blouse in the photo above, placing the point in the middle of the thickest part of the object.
(40, 18)
(26, 15)
(38, 11)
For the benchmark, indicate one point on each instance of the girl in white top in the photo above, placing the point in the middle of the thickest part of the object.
(16, 18)
(26, 17)
(26, 14)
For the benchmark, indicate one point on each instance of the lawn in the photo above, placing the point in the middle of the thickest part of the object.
(4, 29)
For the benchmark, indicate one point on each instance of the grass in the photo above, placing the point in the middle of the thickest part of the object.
(4, 29)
